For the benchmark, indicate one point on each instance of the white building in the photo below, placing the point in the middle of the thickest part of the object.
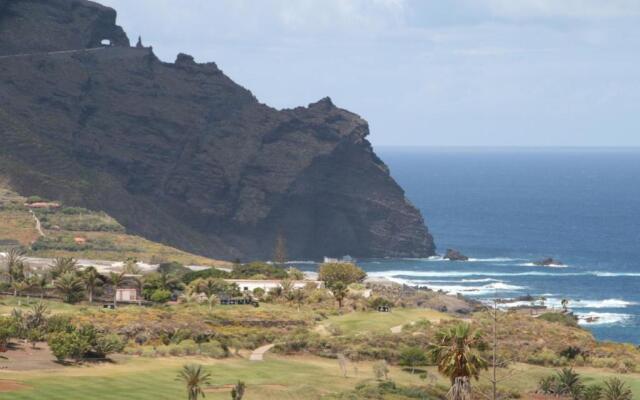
(268, 284)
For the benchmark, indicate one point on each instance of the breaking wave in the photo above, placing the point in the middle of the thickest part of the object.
(596, 318)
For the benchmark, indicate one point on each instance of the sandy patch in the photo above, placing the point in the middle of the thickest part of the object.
(11, 386)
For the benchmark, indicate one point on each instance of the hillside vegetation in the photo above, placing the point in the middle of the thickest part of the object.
(77, 232)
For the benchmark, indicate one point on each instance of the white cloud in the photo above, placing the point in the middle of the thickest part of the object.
(563, 8)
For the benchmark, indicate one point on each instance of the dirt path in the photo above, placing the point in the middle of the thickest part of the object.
(51, 53)
(38, 224)
(258, 354)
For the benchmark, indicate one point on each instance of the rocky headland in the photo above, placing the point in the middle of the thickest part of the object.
(179, 153)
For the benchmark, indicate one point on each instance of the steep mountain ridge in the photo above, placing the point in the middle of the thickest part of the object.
(180, 153)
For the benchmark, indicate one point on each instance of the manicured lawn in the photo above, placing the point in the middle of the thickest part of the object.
(304, 378)
(139, 378)
(373, 321)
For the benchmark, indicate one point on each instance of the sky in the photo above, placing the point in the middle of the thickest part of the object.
(423, 72)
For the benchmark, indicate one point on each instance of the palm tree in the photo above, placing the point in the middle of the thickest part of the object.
(194, 377)
(92, 279)
(457, 357)
(15, 268)
(62, 265)
(237, 393)
(131, 267)
(615, 389)
(116, 279)
(40, 281)
(20, 286)
(70, 286)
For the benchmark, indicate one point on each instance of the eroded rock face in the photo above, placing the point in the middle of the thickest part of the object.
(181, 154)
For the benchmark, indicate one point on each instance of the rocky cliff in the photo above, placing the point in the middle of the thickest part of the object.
(180, 153)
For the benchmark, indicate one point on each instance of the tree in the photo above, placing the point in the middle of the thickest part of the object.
(339, 290)
(280, 251)
(456, 354)
(162, 280)
(15, 268)
(161, 296)
(40, 281)
(413, 357)
(91, 279)
(70, 286)
(62, 265)
(194, 377)
(298, 296)
(237, 393)
(565, 305)
(116, 279)
(346, 273)
(615, 389)
(130, 267)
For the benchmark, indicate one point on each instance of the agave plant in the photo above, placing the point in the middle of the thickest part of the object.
(569, 383)
(615, 389)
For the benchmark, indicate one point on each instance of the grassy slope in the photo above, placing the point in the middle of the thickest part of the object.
(17, 224)
(373, 321)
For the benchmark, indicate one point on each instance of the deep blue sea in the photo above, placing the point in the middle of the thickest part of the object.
(506, 208)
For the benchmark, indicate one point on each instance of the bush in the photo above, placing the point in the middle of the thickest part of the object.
(107, 344)
(269, 271)
(413, 357)
(190, 276)
(213, 349)
(161, 296)
(65, 345)
(565, 319)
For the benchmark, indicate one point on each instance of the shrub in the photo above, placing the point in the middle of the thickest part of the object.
(380, 370)
(379, 302)
(65, 345)
(269, 271)
(213, 349)
(413, 357)
(565, 319)
(206, 273)
(161, 296)
(107, 344)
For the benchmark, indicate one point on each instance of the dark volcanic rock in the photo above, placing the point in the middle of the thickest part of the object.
(181, 154)
(455, 255)
(547, 262)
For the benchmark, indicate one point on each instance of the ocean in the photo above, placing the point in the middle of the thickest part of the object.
(506, 208)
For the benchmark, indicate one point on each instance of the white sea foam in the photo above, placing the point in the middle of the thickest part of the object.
(530, 264)
(580, 304)
(573, 304)
(610, 274)
(454, 274)
(596, 318)
(471, 259)
(473, 290)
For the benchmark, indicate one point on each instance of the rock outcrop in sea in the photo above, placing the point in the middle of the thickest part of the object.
(180, 153)
(455, 255)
